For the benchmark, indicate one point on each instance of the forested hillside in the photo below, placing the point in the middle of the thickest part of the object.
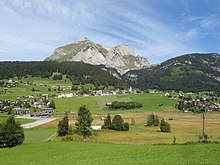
(191, 72)
(78, 72)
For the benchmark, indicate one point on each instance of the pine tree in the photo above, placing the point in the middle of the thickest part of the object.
(84, 121)
(63, 126)
(11, 133)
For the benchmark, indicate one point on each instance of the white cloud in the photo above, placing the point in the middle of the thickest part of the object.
(49, 23)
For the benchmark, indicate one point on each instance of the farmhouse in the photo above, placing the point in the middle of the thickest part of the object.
(47, 110)
(21, 111)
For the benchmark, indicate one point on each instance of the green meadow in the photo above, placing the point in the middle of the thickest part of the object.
(105, 153)
(3, 118)
(96, 104)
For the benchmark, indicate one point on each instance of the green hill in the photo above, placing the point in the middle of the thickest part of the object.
(77, 72)
(191, 72)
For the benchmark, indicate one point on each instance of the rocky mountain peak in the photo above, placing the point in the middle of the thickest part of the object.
(122, 57)
(124, 50)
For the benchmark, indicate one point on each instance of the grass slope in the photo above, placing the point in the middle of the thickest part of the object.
(101, 153)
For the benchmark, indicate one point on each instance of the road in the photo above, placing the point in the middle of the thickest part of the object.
(39, 121)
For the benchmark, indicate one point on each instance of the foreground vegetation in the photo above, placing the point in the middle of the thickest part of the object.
(103, 153)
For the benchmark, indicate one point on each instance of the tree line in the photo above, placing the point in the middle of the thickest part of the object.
(78, 72)
(115, 105)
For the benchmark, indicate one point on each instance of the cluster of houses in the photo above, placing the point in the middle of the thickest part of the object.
(199, 104)
(97, 93)
(10, 83)
(18, 108)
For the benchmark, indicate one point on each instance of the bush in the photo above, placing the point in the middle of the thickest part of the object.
(164, 126)
(152, 120)
(126, 126)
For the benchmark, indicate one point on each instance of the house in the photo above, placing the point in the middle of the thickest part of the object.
(47, 110)
(44, 96)
(99, 127)
(38, 104)
(21, 111)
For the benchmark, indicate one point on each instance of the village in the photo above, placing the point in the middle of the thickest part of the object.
(43, 103)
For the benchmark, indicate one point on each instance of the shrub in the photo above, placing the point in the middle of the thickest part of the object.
(164, 126)
(126, 126)
(152, 120)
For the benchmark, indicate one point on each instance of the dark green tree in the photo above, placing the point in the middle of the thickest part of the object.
(118, 124)
(11, 133)
(126, 126)
(52, 104)
(164, 126)
(84, 121)
(107, 122)
(63, 126)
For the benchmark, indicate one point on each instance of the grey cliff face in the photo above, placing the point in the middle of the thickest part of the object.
(122, 57)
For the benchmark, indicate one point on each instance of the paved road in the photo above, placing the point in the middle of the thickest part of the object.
(39, 121)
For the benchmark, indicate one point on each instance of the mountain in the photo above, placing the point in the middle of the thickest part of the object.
(190, 72)
(122, 57)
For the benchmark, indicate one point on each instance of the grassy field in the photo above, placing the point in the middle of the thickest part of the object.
(96, 104)
(185, 127)
(104, 153)
(39, 134)
(21, 121)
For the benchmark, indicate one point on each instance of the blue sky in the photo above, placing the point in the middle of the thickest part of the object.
(156, 29)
